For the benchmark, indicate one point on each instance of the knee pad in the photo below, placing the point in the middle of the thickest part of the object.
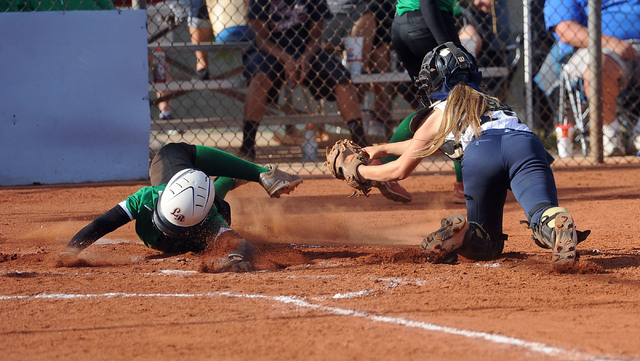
(544, 233)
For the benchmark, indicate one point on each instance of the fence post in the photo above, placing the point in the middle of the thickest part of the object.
(527, 60)
(595, 82)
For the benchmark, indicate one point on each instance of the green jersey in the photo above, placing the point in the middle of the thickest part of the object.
(139, 206)
(54, 5)
(402, 6)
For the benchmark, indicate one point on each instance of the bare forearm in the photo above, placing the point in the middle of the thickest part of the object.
(573, 33)
(399, 169)
(382, 150)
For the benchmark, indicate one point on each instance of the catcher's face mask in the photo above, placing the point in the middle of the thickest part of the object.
(442, 69)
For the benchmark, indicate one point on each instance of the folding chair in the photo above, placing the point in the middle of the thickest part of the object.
(573, 107)
(576, 111)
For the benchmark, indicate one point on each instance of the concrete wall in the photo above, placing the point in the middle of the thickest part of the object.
(73, 97)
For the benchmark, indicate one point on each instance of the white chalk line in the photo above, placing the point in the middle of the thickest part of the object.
(537, 347)
(391, 282)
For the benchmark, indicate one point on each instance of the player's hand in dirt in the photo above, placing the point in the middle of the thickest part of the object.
(239, 254)
(234, 262)
(68, 257)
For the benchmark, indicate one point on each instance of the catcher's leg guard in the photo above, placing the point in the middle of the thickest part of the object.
(438, 245)
(479, 245)
(558, 232)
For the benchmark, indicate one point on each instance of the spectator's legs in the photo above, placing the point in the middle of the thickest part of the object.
(164, 107)
(365, 27)
(346, 97)
(200, 30)
(255, 106)
(199, 35)
(376, 61)
(470, 39)
(381, 104)
(612, 72)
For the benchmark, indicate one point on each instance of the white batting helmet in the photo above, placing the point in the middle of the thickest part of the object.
(184, 204)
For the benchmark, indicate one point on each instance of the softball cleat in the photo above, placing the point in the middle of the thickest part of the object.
(277, 182)
(564, 248)
(438, 245)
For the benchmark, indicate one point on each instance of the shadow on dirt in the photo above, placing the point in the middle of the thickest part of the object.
(617, 261)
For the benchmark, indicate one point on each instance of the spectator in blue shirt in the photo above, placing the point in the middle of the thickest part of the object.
(620, 48)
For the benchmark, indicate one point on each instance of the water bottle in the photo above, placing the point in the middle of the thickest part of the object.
(394, 61)
(309, 145)
(159, 66)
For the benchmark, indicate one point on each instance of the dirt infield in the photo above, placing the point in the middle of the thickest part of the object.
(339, 279)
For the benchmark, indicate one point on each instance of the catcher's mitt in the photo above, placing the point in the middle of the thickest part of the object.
(343, 160)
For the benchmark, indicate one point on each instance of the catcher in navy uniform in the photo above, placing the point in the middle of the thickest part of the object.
(497, 152)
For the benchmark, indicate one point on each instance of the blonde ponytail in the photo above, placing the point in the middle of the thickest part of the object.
(464, 108)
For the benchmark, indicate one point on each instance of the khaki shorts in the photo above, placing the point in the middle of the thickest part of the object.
(578, 65)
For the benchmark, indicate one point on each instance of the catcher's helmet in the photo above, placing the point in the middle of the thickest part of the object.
(447, 64)
(184, 204)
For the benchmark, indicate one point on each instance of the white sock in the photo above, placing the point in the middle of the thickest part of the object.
(611, 129)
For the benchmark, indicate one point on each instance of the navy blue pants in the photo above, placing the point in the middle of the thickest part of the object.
(502, 160)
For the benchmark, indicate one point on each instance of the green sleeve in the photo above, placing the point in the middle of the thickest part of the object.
(216, 162)
(402, 133)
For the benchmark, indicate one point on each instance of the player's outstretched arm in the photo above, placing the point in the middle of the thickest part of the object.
(378, 151)
(104, 224)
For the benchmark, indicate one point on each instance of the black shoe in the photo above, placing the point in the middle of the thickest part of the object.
(248, 153)
(203, 74)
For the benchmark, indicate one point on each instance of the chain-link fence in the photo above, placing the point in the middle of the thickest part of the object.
(563, 84)
(209, 106)
(199, 78)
